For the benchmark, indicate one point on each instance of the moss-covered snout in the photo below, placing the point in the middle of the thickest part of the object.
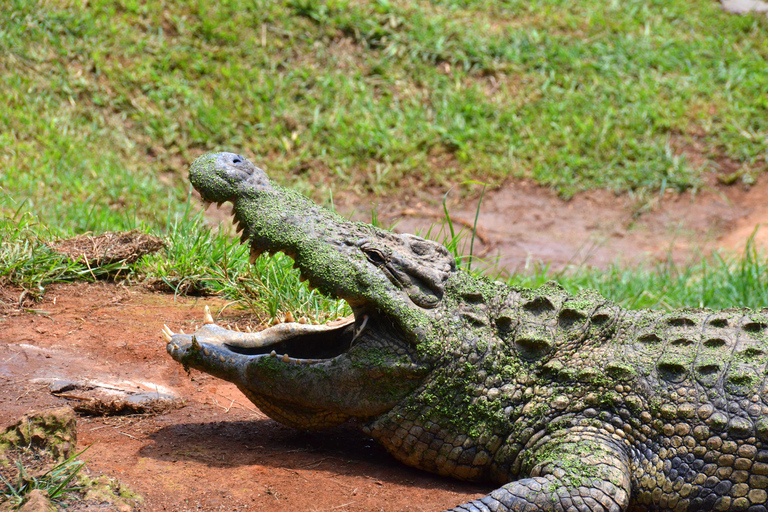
(377, 272)
(222, 177)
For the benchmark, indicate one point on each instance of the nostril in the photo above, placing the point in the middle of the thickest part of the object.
(237, 160)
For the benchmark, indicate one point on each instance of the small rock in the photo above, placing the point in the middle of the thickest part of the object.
(744, 6)
(52, 430)
(37, 501)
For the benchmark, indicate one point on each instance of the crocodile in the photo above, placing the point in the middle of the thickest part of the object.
(567, 402)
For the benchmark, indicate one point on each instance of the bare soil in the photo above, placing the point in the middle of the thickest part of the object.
(522, 224)
(218, 452)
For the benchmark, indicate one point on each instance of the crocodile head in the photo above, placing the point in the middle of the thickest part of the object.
(311, 376)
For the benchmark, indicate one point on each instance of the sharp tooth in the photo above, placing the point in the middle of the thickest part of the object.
(167, 329)
(206, 204)
(195, 345)
(166, 336)
(303, 320)
(206, 352)
(181, 331)
(248, 328)
(175, 347)
(289, 317)
(218, 204)
(275, 321)
(207, 318)
(359, 331)
(244, 237)
(273, 354)
(237, 328)
(222, 359)
(286, 358)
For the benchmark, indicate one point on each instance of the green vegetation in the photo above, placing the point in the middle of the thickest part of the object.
(58, 482)
(722, 281)
(105, 103)
(196, 261)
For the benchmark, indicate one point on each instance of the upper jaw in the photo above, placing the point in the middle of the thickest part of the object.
(400, 277)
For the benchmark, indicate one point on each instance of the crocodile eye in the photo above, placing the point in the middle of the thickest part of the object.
(374, 256)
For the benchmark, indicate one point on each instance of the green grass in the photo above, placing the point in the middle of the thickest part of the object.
(200, 261)
(58, 482)
(722, 281)
(104, 104)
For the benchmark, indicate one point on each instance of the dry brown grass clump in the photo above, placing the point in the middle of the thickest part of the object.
(109, 247)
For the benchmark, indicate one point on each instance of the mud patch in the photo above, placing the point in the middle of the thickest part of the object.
(114, 398)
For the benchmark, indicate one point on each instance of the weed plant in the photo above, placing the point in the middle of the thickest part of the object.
(58, 482)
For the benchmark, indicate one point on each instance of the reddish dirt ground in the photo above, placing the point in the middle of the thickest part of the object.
(218, 452)
(521, 224)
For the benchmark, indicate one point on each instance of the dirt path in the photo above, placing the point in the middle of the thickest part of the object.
(217, 452)
(521, 224)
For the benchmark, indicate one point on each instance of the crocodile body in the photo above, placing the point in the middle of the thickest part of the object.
(568, 402)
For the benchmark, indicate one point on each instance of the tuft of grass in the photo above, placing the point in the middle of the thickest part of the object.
(718, 282)
(199, 260)
(57, 482)
(27, 261)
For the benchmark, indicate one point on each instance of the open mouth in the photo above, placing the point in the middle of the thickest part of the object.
(290, 342)
(312, 343)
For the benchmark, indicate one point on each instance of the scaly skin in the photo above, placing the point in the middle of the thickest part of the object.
(568, 402)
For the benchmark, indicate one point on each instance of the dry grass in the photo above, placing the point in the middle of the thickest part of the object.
(110, 247)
